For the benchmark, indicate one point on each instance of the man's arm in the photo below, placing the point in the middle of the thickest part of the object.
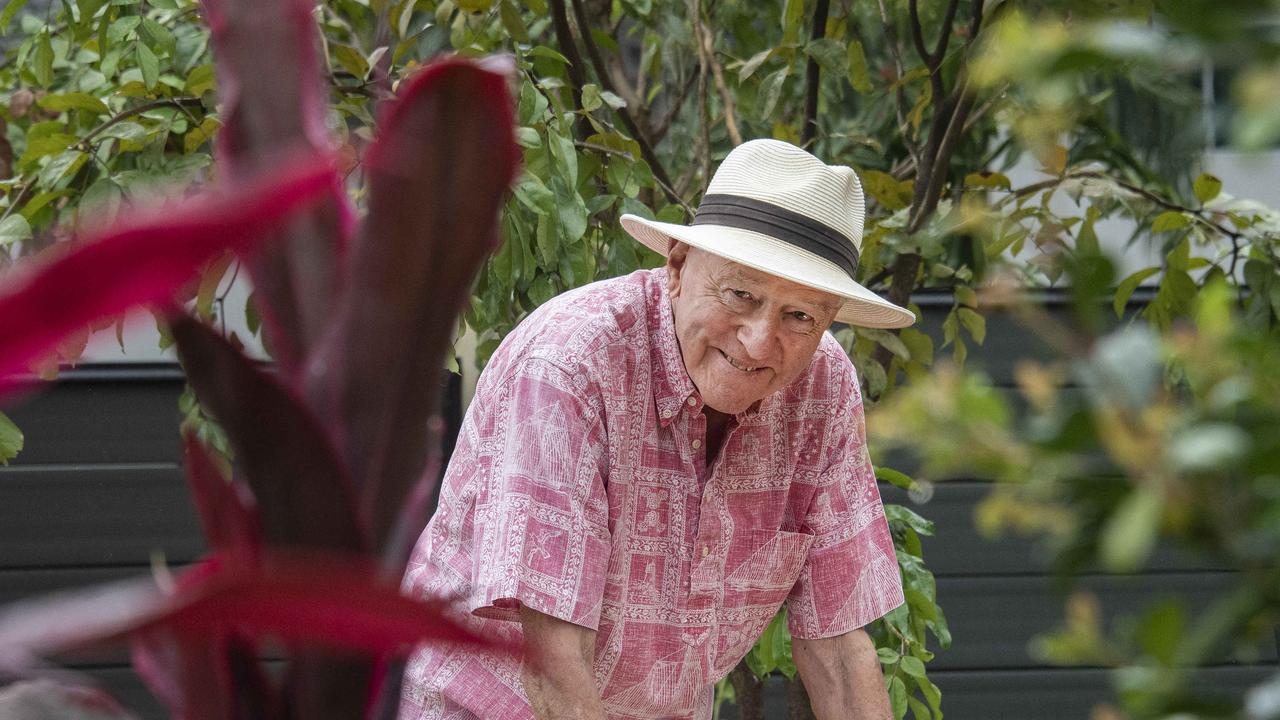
(843, 678)
(557, 668)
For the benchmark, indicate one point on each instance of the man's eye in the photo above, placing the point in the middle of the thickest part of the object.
(741, 294)
(802, 316)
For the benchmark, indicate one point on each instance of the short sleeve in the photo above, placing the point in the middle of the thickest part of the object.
(850, 576)
(541, 534)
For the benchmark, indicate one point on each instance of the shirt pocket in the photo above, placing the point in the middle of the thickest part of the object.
(770, 565)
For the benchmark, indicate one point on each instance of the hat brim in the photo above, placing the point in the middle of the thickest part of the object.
(766, 254)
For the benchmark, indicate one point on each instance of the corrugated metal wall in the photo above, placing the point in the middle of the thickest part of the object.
(98, 493)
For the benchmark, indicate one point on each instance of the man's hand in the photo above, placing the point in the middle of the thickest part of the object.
(557, 668)
(843, 678)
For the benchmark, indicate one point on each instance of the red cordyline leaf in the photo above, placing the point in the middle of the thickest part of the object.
(304, 496)
(438, 174)
(303, 601)
(296, 276)
(226, 507)
(144, 261)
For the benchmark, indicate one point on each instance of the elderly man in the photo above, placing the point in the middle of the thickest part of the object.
(652, 465)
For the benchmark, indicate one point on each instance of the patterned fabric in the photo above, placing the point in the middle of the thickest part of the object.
(580, 487)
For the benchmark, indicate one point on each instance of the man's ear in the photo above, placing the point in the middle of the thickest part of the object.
(677, 257)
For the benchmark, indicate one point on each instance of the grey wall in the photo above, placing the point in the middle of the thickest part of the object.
(98, 491)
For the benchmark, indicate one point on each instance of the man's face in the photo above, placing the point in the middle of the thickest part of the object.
(743, 333)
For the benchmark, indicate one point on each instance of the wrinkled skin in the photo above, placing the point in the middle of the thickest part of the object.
(743, 333)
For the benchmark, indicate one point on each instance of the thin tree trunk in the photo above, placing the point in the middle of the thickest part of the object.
(750, 699)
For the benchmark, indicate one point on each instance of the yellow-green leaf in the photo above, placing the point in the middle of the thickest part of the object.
(975, 323)
(591, 100)
(73, 101)
(475, 6)
(1125, 289)
(11, 439)
(1130, 534)
(512, 21)
(351, 60)
(1170, 220)
(1207, 187)
(859, 77)
(831, 55)
(198, 136)
(200, 80)
(890, 192)
(792, 21)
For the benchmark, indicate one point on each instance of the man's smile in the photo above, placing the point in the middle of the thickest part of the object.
(740, 366)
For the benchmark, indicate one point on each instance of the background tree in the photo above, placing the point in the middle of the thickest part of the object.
(626, 106)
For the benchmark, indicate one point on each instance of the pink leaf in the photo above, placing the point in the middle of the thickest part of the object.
(313, 601)
(295, 276)
(226, 507)
(438, 174)
(144, 261)
(303, 493)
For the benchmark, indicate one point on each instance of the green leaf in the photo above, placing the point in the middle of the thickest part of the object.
(859, 76)
(200, 135)
(770, 91)
(898, 697)
(511, 20)
(7, 15)
(101, 202)
(1130, 534)
(14, 229)
(890, 192)
(11, 439)
(200, 80)
(566, 156)
(912, 666)
(792, 21)
(543, 51)
(533, 194)
(905, 516)
(591, 100)
(753, 63)
(890, 341)
(42, 60)
(975, 323)
(351, 60)
(528, 137)
(571, 214)
(149, 64)
(121, 29)
(831, 55)
(920, 345)
(475, 6)
(966, 296)
(895, 478)
(125, 130)
(73, 101)
(919, 711)
(1170, 220)
(933, 696)
(1125, 289)
(888, 656)
(1206, 187)
(63, 165)
(157, 37)
(613, 100)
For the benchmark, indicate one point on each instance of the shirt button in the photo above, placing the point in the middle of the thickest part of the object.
(697, 444)
(706, 550)
(666, 413)
(692, 402)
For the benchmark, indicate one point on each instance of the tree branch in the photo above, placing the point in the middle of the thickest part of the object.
(904, 128)
(660, 130)
(145, 107)
(564, 37)
(813, 76)
(646, 149)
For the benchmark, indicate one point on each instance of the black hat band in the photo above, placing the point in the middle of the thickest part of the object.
(804, 232)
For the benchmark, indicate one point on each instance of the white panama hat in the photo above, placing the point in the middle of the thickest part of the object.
(776, 208)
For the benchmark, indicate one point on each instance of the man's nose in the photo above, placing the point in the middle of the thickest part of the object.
(757, 335)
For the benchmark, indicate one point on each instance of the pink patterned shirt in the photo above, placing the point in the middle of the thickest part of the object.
(580, 487)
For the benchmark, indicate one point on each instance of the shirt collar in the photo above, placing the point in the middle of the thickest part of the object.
(673, 391)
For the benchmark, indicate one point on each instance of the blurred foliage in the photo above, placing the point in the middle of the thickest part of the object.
(627, 105)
